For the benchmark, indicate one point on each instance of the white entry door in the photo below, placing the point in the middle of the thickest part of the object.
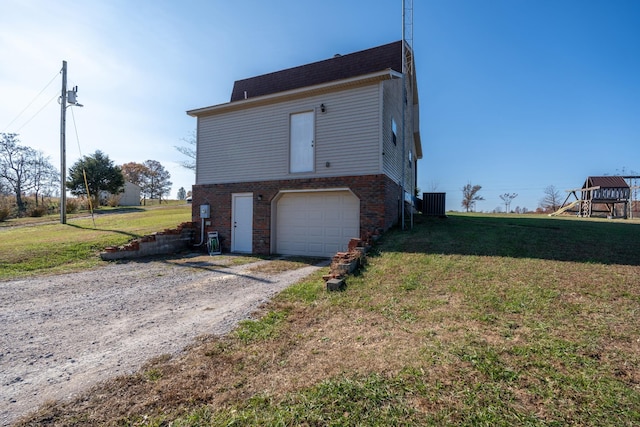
(242, 222)
(301, 144)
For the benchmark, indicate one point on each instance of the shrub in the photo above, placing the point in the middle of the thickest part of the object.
(37, 211)
(5, 212)
(73, 205)
(7, 207)
(113, 200)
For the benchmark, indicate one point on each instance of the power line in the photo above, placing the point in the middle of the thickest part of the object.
(84, 172)
(73, 117)
(31, 103)
(37, 112)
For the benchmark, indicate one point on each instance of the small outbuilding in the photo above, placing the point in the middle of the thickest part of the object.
(131, 194)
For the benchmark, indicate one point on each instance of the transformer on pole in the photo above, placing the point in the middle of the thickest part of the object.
(71, 98)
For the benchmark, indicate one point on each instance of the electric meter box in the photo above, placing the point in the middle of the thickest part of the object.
(205, 211)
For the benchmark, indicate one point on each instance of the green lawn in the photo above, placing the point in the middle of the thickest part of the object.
(473, 320)
(35, 247)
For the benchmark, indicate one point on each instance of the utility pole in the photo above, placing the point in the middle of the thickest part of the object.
(67, 98)
(63, 148)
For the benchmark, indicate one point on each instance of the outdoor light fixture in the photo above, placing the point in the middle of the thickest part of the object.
(323, 108)
(259, 197)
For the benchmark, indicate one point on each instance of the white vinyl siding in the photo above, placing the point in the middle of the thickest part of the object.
(253, 144)
(232, 147)
(393, 156)
(392, 159)
(348, 134)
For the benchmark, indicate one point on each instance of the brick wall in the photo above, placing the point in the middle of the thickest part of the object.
(169, 241)
(379, 204)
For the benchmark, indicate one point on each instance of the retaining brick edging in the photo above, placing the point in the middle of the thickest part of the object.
(345, 263)
(160, 243)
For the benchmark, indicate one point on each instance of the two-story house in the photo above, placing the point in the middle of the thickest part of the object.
(303, 159)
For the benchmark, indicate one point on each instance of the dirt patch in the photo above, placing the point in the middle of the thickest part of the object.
(62, 334)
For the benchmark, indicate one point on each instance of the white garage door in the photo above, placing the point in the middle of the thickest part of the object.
(317, 223)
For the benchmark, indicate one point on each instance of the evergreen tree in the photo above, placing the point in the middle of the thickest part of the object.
(101, 173)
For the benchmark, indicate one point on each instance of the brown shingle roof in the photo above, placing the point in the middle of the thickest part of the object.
(368, 61)
(606, 182)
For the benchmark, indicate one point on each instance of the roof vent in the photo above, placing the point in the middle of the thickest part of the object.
(337, 55)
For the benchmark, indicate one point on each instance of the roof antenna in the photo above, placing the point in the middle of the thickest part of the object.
(407, 67)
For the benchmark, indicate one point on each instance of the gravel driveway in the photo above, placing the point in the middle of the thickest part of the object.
(61, 334)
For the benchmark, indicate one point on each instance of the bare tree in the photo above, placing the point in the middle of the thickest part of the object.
(156, 182)
(45, 176)
(189, 151)
(16, 167)
(551, 201)
(632, 179)
(507, 198)
(470, 196)
(433, 186)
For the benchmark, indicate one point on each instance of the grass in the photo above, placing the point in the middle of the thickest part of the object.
(257, 330)
(28, 247)
(472, 320)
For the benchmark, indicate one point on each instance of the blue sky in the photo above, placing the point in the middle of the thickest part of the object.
(515, 95)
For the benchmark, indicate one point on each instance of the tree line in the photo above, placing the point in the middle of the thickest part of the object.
(24, 170)
(551, 201)
(27, 172)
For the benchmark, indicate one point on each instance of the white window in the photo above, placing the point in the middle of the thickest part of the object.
(394, 131)
(301, 158)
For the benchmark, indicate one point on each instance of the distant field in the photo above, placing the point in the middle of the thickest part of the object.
(43, 245)
(473, 320)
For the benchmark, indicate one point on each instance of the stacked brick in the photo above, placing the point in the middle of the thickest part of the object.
(167, 241)
(345, 263)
